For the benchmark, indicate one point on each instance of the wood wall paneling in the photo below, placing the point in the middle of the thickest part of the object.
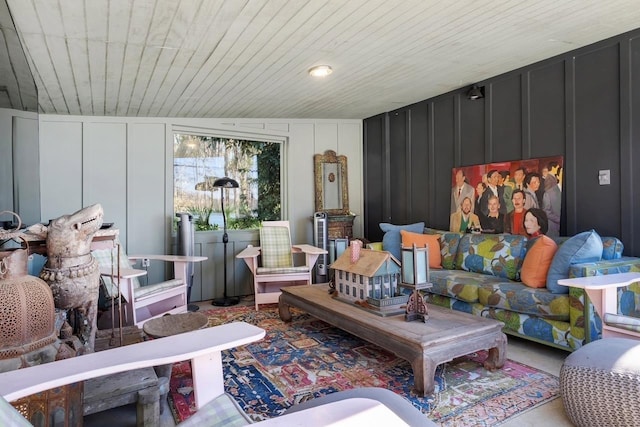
(374, 176)
(597, 116)
(146, 220)
(26, 155)
(546, 112)
(630, 176)
(104, 171)
(61, 187)
(443, 142)
(472, 131)
(399, 171)
(418, 160)
(505, 141)
(581, 105)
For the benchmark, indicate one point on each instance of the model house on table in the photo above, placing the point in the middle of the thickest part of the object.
(369, 278)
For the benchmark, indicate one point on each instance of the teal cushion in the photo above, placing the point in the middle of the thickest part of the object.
(392, 241)
(583, 247)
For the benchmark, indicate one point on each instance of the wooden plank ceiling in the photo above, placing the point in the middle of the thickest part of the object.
(249, 58)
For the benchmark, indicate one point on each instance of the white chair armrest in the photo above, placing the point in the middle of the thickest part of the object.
(203, 347)
(249, 252)
(308, 249)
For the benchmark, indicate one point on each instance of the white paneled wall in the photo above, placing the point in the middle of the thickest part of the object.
(126, 165)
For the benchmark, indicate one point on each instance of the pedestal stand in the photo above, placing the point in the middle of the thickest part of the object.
(417, 306)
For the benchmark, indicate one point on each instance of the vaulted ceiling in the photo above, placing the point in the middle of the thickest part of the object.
(250, 58)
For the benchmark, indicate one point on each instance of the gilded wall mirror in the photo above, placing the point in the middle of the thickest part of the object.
(332, 193)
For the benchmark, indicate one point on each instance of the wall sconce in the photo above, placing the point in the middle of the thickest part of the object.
(475, 93)
(415, 275)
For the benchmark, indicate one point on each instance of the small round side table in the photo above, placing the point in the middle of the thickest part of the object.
(173, 324)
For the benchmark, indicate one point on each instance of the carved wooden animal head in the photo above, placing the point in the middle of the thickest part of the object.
(71, 235)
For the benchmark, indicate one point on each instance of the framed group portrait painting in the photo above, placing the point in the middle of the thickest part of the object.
(487, 190)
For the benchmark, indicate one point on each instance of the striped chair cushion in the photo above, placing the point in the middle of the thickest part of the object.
(275, 247)
(277, 270)
(625, 322)
(221, 411)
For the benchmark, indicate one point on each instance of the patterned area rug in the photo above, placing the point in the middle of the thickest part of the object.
(309, 358)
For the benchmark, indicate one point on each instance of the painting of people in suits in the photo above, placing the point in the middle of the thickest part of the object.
(539, 180)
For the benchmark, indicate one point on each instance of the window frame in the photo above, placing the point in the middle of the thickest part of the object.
(245, 134)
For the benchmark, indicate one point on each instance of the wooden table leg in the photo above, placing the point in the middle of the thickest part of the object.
(283, 310)
(424, 372)
(497, 355)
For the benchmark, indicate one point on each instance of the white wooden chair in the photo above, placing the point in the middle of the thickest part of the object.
(147, 302)
(215, 408)
(277, 265)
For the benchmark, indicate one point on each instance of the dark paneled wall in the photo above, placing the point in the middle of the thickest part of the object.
(579, 105)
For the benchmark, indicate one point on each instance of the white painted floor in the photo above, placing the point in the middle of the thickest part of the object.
(539, 356)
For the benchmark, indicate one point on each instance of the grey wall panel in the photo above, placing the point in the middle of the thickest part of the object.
(61, 186)
(472, 131)
(146, 221)
(597, 124)
(505, 132)
(398, 173)
(373, 171)
(419, 191)
(104, 172)
(443, 148)
(631, 173)
(26, 163)
(546, 111)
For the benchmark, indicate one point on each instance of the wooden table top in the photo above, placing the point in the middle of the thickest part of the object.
(443, 324)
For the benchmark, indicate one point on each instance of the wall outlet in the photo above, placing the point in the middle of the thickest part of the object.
(146, 262)
(604, 177)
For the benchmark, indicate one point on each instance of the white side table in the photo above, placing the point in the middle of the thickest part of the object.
(603, 293)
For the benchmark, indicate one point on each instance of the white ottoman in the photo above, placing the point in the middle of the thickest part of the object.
(600, 383)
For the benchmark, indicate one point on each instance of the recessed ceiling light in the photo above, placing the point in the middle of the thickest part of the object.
(320, 71)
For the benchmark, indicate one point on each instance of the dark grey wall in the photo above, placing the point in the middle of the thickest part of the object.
(579, 105)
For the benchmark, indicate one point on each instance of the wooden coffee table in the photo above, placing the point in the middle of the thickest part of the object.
(446, 335)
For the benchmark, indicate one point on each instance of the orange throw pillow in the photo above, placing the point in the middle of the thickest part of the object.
(537, 261)
(422, 241)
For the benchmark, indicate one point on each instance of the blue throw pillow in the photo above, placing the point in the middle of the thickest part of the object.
(392, 241)
(583, 247)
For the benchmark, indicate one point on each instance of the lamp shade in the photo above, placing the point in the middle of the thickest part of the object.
(226, 182)
(415, 265)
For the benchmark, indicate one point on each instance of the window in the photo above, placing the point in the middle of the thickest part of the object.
(199, 160)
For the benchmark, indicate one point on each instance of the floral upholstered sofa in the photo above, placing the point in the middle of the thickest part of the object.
(482, 274)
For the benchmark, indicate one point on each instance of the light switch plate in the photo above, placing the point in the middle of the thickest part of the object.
(604, 177)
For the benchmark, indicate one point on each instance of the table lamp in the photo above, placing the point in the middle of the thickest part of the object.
(415, 276)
